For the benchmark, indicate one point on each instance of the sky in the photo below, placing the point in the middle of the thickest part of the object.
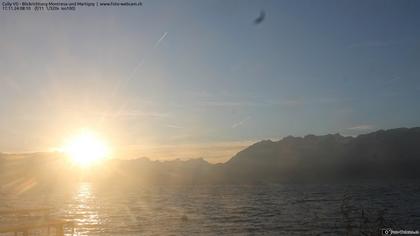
(188, 79)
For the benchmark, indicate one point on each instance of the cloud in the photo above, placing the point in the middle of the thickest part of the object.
(174, 126)
(133, 114)
(9, 82)
(286, 102)
(303, 101)
(372, 44)
(232, 104)
(361, 127)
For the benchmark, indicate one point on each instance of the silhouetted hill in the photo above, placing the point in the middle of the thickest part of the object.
(381, 155)
(146, 171)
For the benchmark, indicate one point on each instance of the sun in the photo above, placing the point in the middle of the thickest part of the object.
(86, 149)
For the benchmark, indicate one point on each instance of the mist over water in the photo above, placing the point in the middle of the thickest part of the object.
(269, 209)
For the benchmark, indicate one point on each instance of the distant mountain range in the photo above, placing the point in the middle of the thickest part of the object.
(382, 155)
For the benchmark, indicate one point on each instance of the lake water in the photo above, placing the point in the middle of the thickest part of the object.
(230, 209)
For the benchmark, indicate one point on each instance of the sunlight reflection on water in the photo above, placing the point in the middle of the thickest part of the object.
(221, 210)
(84, 208)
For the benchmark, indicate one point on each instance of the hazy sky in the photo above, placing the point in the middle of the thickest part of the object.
(200, 79)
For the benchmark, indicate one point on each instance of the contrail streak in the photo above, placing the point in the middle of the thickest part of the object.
(141, 62)
(160, 40)
(130, 77)
(239, 123)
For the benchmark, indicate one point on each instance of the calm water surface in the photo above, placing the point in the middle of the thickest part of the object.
(229, 209)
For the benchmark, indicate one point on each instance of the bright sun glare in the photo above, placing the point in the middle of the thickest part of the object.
(86, 149)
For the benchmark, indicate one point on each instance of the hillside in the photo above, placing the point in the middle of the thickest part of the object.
(381, 155)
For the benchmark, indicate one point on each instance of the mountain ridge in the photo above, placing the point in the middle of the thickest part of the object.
(383, 154)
